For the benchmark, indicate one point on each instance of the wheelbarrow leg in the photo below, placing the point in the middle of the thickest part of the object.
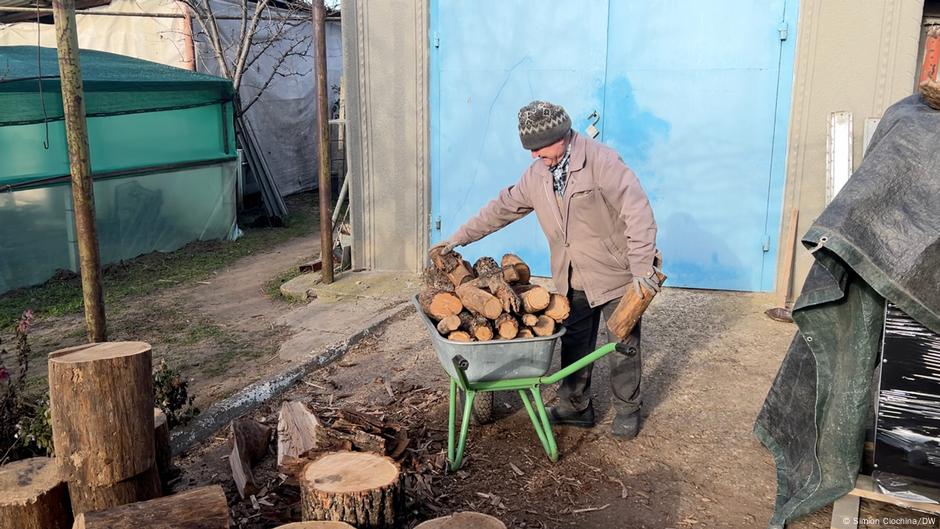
(543, 429)
(464, 428)
(451, 420)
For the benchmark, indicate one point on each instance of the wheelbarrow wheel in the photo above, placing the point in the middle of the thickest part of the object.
(484, 405)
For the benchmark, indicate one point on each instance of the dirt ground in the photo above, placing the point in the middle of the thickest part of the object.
(709, 358)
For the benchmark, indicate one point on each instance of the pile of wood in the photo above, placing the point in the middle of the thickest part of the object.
(488, 300)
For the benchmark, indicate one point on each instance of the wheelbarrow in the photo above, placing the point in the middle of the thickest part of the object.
(519, 365)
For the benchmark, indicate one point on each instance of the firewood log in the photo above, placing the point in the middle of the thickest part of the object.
(486, 267)
(506, 326)
(559, 308)
(544, 327)
(629, 310)
(459, 336)
(463, 520)
(530, 319)
(202, 508)
(435, 279)
(476, 326)
(453, 266)
(534, 297)
(439, 304)
(33, 496)
(249, 444)
(521, 269)
(449, 324)
(296, 436)
(510, 275)
(479, 301)
(526, 332)
(490, 277)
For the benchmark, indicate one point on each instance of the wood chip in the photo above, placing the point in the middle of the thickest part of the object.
(517, 470)
(591, 509)
(254, 503)
(388, 388)
(623, 488)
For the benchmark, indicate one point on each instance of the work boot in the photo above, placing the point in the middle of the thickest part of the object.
(568, 416)
(626, 425)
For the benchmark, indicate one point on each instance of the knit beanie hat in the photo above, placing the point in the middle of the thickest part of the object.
(541, 123)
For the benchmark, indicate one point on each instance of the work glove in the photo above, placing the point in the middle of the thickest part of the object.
(648, 281)
(444, 247)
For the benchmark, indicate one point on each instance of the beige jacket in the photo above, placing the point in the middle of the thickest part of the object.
(604, 230)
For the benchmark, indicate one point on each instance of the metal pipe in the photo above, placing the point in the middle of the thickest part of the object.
(83, 195)
(189, 49)
(323, 141)
(341, 199)
(48, 11)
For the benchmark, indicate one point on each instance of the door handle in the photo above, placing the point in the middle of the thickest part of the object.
(592, 130)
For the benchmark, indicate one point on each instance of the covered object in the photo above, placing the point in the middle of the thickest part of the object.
(162, 153)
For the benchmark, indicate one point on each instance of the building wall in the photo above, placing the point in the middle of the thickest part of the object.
(852, 55)
(385, 60)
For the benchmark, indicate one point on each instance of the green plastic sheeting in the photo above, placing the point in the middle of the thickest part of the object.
(135, 215)
(113, 84)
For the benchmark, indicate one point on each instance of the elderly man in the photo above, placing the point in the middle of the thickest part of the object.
(602, 237)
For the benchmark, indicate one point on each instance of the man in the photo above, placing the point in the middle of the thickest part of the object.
(602, 237)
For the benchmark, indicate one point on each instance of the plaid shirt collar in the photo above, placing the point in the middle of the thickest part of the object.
(560, 171)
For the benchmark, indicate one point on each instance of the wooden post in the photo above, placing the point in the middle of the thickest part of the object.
(323, 142)
(32, 496)
(83, 196)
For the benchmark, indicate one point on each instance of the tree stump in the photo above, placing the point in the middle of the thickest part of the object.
(32, 496)
(161, 447)
(202, 508)
(101, 400)
(463, 520)
(316, 525)
(89, 498)
(359, 488)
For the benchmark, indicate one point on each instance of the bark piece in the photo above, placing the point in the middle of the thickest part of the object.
(544, 327)
(521, 269)
(358, 488)
(439, 304)
(559, 308)
(90, 498)
(629, 310)
(249, 445)
(463, 520)
(453, 266)
(448, 324)
(534, 297)
(32, 496)
(479, 301)
(101, 400)
(459, 336)
(930, 91)
(202, 508)
(297, 434)
(507, 327)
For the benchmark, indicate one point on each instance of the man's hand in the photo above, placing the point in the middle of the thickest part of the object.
(649, 282)
(443, 247)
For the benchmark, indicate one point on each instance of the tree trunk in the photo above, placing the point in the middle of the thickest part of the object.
(296, 435)
(439, 304)
(521, 269)
(534, 297)
(463, 520)
(544, 327)
(507, 327)
(249, 444)
(480, 302)
(101, 400)
(448, 324)
(459, 336)
(202, 508)
(88, 498)
(358, 488)
(629, 310)
(161, 447)
(559, 308)
(32, 496)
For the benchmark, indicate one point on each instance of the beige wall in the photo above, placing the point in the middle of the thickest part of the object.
(386, 64)
(852, 55)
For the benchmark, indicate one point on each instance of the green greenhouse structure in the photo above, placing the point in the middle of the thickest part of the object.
(163, 157)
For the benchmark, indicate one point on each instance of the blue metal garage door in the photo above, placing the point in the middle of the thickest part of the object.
(694, 96)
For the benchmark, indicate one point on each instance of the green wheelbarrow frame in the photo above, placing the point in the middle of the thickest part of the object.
(535, 408)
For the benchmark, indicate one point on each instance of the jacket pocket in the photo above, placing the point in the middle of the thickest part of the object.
(615, 252)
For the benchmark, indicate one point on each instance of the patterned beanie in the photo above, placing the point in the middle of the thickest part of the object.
(542, 123)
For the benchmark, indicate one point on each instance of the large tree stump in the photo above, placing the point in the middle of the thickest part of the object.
(101, 400)
(202, 508)
(359, 488)
(463, 520)
(629, 310)
(32, 496)
(89, 498)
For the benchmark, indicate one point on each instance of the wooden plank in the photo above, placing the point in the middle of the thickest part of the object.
(845, 513)
(789, 246)
(865, 488)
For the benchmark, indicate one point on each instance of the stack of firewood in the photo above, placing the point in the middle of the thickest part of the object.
(488, 301)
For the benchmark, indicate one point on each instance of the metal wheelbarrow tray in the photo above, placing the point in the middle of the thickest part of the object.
(519, 365)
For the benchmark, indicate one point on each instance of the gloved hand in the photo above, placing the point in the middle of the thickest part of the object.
(648, 281)
(444, 247)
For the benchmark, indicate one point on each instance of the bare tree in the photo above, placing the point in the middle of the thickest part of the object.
(271, 36)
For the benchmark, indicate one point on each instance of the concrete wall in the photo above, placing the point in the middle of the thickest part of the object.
(385, 58)
(852, 55)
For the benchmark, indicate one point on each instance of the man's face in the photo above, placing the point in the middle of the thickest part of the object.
(551, 154)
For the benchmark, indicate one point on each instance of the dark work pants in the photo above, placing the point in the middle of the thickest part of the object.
(580, 340)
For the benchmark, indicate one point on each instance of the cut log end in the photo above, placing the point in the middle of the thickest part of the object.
(507, 327)
(459, 336)
(33, 496)
(448, 324)
(544, 327)
(559, 308)
(534, 297)
(522, 272)
(355, 487)
(525, 333)
(463, 520)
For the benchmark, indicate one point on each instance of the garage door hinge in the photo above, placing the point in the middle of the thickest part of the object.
(437, 224)
(766, 245)
(783, 30)
(437, 40)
